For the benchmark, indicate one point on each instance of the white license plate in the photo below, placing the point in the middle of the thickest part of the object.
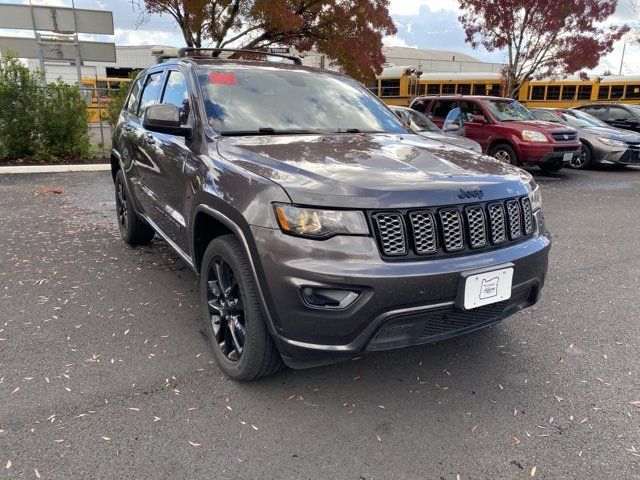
(489, 287)
(567, 157)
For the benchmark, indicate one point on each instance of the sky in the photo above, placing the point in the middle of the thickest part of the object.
(430, 24)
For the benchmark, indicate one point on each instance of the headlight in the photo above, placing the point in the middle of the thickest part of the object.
(313, 223)
(533, 136)
(611, 142)
(535, 198)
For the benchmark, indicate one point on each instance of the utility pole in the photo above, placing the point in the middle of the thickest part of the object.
(624, 48)
(77, 45)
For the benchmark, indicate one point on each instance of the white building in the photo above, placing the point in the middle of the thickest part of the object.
(131, 58)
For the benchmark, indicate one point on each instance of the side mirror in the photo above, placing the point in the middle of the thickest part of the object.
(164, 118)
(452, 127)
(479, 119)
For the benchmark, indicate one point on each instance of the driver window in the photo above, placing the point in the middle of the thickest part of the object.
(176, 93)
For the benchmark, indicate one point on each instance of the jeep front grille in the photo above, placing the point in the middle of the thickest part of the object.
(393, 238)
(454, 229)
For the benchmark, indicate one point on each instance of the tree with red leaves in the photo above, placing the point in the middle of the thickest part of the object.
(349, 32)
(541, 38)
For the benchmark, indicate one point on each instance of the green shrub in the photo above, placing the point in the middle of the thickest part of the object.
(64, 128)
(21, 97)
(40, 121)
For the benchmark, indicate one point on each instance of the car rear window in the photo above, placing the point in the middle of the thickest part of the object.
(240, 99)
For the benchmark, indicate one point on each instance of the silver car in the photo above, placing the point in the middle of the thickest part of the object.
(425, 127)
(601, 143)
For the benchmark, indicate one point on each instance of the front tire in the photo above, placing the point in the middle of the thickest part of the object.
(582, 161)
(232, 316)
(132, 230)
(505, 153)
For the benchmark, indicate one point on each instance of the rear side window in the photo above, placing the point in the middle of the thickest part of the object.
(617, 113)
(151, 91)
(176, 93)
(441, 109)
(420, 105)
(134, 97)
(598, 112)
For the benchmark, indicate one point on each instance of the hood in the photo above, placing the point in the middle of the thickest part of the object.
(451, 139)
(539, 125)
(613, 133)
(374, 171)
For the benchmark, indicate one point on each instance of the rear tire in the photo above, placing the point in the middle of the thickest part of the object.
(505, 153)
(232, 315)
(583, 161)
(133, 230)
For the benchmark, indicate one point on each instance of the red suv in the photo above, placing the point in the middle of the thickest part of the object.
(505, 129)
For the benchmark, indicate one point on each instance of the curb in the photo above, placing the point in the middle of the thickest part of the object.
(95, 167)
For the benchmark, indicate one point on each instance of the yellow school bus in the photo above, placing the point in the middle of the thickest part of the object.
(461, 84)
(98, 88)
(396, 85)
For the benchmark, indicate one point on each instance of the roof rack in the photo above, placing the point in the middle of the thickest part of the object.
(183, 53)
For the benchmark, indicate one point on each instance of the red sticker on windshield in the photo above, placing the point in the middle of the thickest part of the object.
(222, 79)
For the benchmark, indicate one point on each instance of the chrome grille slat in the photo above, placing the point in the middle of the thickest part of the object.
(423, 226)
(498, 223)
(515, 222)
(452, 230)
(392, 233)
(477, 226)
(527, 216)
(436, 231)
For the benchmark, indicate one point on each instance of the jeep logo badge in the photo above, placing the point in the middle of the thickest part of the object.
(476, 193)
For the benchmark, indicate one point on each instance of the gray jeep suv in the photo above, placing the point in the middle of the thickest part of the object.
(320, 227)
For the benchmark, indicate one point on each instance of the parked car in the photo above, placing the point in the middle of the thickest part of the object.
(319, 228)
(600, 142)
(505, 129)
(617, 115)
(425, 127)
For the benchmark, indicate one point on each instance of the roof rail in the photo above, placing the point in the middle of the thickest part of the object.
(183, 52)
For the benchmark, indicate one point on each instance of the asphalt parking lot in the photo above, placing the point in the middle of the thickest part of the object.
(104, 374)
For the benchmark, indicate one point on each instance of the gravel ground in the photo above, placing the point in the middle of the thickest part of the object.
(104, 374)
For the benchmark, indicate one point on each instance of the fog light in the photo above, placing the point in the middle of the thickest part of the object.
(329, 298)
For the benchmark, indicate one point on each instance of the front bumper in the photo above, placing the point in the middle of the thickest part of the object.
(616, 156)
(389, 292)
(547, 153)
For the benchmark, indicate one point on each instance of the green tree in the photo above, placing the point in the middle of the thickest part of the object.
(117, 98)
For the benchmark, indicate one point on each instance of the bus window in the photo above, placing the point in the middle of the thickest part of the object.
(114, 85)
(495, 90)
(372, 86)
(102, 88)
(633, 91)
(553, 92)
(390, 88)
(464, 89)
(584, 92)
(422, 89)
(433, 89)
(603, 93)
(448, 88)
(537, 92)
(568, 92)
(617, 92)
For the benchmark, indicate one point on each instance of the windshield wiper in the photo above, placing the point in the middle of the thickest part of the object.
(265, 131)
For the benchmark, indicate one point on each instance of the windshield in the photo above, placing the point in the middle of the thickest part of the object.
(635, 109)
(507, 110)
(269, 100)
(585, 117)
(575, 122)
(547, 116)
(420, 123)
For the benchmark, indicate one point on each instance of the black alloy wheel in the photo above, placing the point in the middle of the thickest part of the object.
(226, 309)
(233, 319)
(132, 229)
